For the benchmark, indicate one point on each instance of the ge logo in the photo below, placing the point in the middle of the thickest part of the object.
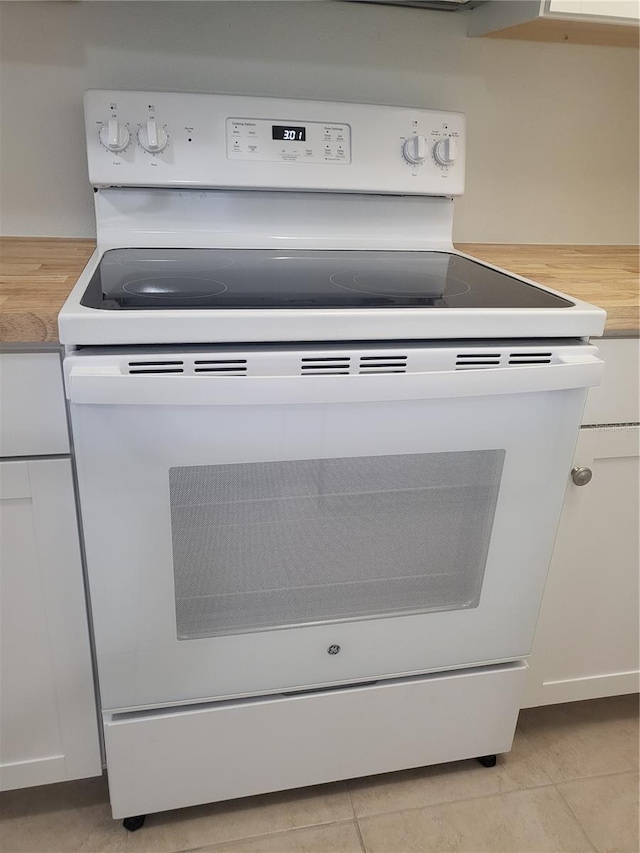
(333, 650)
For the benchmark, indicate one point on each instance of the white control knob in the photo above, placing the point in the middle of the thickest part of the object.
(445, 151)
(415, 149)
(153, 137)
(114, 135)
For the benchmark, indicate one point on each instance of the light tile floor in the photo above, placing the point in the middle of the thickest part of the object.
(570, 784)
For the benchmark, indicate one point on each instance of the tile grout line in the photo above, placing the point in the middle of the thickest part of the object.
(360, 838)
(214, 845)
(549, 784)
(593, 776)
(355, 819)
(575, 816)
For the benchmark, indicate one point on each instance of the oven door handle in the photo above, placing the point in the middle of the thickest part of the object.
(107, 385)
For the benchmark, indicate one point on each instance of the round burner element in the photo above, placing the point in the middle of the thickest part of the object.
(174, 287)
(409, 283)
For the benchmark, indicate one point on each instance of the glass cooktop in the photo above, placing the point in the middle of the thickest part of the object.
(135, 279)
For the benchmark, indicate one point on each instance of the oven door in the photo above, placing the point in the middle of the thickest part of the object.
(251, 535)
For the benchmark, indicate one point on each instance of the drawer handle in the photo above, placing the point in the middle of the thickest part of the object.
(581, 476)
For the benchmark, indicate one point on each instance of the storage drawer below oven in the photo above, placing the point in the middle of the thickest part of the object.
(175, 757)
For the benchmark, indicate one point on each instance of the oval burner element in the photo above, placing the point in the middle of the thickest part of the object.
(174, 287)
(409, 283)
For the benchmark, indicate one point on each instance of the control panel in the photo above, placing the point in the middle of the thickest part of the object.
(221, 141)
(277, 141)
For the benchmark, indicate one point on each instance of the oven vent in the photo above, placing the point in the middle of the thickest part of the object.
(221, 366)
(165, 366)
(383, 364)
(325, 365)
(530, 358)
(477, 360)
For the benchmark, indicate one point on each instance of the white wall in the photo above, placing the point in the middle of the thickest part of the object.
(553, 129)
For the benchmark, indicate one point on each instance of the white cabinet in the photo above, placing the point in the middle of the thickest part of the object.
(616, 9)
(615, 400)
(586, 642)
(48, 718)
(33, 421)
(605, 22)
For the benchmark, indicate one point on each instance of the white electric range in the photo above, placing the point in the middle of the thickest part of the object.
(321, 455)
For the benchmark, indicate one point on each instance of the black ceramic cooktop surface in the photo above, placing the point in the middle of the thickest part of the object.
(135, 279)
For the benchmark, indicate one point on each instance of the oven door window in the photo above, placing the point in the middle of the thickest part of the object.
(266, 545)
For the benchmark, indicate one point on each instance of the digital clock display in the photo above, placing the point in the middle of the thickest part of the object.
(294, 134)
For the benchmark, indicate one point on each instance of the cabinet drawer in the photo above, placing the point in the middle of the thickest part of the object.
(616, 400)
(33, 419)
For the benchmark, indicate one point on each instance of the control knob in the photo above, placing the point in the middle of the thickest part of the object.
(153, 137)
(114, 135)
(415, 149)
(445, 151)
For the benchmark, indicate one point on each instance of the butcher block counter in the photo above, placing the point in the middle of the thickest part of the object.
(37, 274)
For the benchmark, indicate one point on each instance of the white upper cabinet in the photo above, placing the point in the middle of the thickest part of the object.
(605, 22)
(618, 9)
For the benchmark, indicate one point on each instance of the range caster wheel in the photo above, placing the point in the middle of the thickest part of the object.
(133, 823)
(487, 760)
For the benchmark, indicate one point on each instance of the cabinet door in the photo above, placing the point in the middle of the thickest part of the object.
(586, 643)
(48, 720)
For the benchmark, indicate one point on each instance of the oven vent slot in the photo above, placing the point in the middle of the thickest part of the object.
(477, 360)
(383, 364)
(221, 366)
(529, 358)
(167, 366)
(325, 366)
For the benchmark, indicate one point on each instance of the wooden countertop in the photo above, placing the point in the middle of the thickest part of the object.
(37, 274)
